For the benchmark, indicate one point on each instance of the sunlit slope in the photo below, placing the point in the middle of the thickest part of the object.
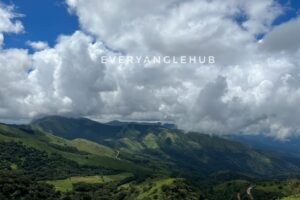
(81, 151)
(157, 147)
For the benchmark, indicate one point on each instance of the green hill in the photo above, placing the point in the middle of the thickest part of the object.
(156, 147)
(76, 150)
(66, 158)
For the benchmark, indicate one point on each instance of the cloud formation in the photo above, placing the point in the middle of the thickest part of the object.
(8, 21)
(284, 37)
(39, 45)
(253, 87)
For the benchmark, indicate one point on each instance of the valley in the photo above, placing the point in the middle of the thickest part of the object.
(83, 159)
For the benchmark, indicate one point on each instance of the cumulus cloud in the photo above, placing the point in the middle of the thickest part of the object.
(13, 67)
(284, 37)
(14, 83)
(39, 45)
(253, 87)
(8, 21)
(175, 27)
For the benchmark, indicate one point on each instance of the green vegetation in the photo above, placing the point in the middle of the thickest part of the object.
(261, 190)
(93, 148)
(78, 159)
(167, 188)
(294, 197)
(71, 150)
(152, 188)
(39, 165)
(67, 184)
(156, 147)
(277, 189)
(17, 186)
(82, 145)
(150, 141)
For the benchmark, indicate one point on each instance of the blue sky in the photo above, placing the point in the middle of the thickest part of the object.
(45, 20)
(291, 11)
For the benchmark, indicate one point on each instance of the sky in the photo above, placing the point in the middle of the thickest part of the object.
(291, 10)
(50, 54)
(42, 20)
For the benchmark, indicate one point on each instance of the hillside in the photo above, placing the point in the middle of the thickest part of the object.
(288, 146)
(38, 165)
(68, 149)
(134, 161)
(157, 147)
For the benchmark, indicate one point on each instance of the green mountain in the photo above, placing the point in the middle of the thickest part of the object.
(38, 165)
(66, 158)
(157, 147)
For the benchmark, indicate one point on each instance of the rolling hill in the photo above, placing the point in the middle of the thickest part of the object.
(157, 147)
(70, 158)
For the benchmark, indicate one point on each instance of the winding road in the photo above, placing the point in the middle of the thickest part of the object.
(117, 155)
(238, 196)
(249, 192)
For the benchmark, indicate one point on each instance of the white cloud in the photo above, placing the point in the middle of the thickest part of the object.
(176, 27)
(284, 37)
(39, 45)
(8, 22)
(69, 78)
(250, 88)
(14, 83)
(13, 67)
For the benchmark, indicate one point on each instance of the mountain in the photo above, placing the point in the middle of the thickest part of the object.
(157, 147)
(122, 123)
(67, 158)
(288, 147)
(79, 151)
(72, 128)
(38, 165)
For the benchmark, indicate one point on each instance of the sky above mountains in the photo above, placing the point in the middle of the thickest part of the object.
(50, 50)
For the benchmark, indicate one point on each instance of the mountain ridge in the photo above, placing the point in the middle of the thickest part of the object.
(195, 152)
(138, 161)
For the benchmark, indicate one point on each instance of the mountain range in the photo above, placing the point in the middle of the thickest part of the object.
(155, 160)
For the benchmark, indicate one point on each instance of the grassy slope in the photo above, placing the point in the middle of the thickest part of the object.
(278, 188)
(67, 184)
(294, 197)
(261, 190)
(41, 142)
(149, 189)
(83, 145)
(200, 152)
(195, 153)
